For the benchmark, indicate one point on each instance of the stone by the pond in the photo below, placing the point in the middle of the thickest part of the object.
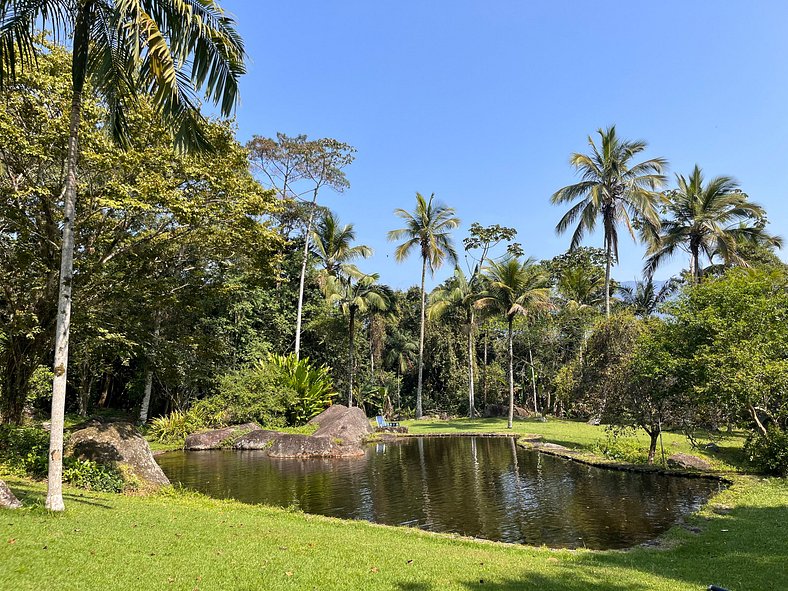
(350, 425)
(688, 462)
(118, 444)
(218, 438)
(7, 499)
(311, 446)
(257, 439)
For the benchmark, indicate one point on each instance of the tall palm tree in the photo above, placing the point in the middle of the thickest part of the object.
(167, 49)
(427, 228)
(515, 289)
(460, 293)
(613, 190)
(354, 298)
(332, 243)
(711, 219)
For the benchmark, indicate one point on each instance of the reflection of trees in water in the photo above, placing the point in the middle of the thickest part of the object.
(484, 487)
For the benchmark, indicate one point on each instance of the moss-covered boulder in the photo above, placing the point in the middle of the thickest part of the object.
(218, 438)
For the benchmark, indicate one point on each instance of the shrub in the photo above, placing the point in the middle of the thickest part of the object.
(618, 445)
(177, 425)
(768, 454)
(91, 475)
(312, 385)
(23, 450)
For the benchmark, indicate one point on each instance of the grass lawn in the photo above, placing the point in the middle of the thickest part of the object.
(185, 542)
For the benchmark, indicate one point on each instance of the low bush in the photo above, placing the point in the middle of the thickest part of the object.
(621, 445)
(177, 425)
(23, 450)
(91, 475)
(769, 454)
(312, 385)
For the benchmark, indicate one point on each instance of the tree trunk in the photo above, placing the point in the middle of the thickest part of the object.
(351, 368)
(471, 356)
(652, 447)
(149, 371)
(533, 373)
(484, 372)
(303, 275)
(608, 263)
(695, 261)
(511, 377)
(421, 338)
(54, 500)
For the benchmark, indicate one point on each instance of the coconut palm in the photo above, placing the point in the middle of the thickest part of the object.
(332, 244)
(354, 298)
(711, 218)
(613, 190)
(515, 289)
(400, 354)
(644, 300)
(582, 287)
(427, 228)
(166, 49)
(460, 294)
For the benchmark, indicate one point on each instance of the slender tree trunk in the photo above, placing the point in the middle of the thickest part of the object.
(471, 356)
(608, 263)
(149, 371)
(421, 338)
(533, 375)
(484, 372)
(652, 447)
(511, 378)
(303, 275)
(54, 500)
(351, 368)
(694, 261)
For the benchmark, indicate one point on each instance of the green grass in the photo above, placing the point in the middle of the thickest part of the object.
(183, 541)
(186, 542)
(586, 437)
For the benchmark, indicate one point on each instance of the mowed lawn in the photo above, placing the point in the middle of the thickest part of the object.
(183, 541)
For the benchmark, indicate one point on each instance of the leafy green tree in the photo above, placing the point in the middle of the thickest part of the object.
(613, 190)
(428, 229)
(713, 218)
(515, 289)
(124, 49)
(353, 298)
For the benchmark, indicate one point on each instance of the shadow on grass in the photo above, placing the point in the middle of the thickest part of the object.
(35, 497)
(566, 579)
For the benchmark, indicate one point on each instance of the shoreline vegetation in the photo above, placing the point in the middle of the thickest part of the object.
(177, 539)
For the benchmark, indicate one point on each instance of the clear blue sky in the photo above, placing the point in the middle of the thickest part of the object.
(482, 102)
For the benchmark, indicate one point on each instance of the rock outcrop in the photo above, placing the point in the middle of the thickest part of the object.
(312, 446)
(7, 499)
(118, 444)
(218, 438)
(257, 439)
(349, 425)
(688, 462)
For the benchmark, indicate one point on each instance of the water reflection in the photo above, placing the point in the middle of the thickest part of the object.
(483, 487)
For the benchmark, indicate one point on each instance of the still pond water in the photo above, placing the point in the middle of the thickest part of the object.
(483, 487)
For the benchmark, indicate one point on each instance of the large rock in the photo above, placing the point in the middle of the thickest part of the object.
(688, 462)
(257, 439)
(312, 446)
(118, 444)
(350, 425)
(7, 498)
(218, 438)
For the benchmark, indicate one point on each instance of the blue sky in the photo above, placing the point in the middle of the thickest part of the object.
(482, 102)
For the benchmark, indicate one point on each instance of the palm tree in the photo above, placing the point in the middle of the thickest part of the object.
(355, 298)
(646, 298)
(400, 354)
(515, 289)
(460, 293)
(712, 219)
(125, 49)
(332, 245)
(582, 287)
(428, 229)
(612, 190)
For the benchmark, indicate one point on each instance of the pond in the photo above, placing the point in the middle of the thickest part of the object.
(482, 487)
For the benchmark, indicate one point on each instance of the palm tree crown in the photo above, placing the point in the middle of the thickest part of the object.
(613, 190)
(711, 218)
(332, 243)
